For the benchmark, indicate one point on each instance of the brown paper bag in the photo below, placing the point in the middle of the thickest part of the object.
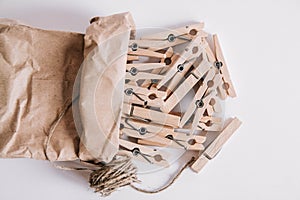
(38, 69)
(37, 73)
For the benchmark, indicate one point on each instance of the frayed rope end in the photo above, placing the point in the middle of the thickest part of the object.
(118, 173)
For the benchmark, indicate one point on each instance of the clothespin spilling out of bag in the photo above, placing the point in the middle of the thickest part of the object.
(158, 135)
(209, 84)
(189, 54)
(150, 115)
(177, 140)
(155, 88)
(170, 38)
(156, 116)
(143, 153)
(135, 50)
(135, 72)
(200, 107)
(142, 130)
(226, 89)
(143, 96)
(194, 77)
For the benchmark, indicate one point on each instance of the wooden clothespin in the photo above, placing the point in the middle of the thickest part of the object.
(220, 64)
(200, 107)
(212, 149)
(211, 57)
(143, 96)
(143, 153)
(209, 84)
(151, 115)
(214, 104)
(138, 71)
(142, 130)
(158, 135)
(135, 50)
(177, 140)
(172, 37)
(178, 77)
(144, 66)
(194, 77)
(190, 53)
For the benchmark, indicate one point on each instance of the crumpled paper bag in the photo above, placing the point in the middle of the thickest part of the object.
(37, 73)
(38, 70)
(102, 85)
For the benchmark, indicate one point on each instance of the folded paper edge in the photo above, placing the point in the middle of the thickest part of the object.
(103, 32)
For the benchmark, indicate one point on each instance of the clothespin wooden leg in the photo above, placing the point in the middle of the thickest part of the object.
(211, 151)
(227, 85)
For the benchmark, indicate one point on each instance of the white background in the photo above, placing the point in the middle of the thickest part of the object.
(260, 40)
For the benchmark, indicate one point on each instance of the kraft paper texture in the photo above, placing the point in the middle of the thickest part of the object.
(102, 85)
(38, 69)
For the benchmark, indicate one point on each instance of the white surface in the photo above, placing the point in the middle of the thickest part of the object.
(260, 40)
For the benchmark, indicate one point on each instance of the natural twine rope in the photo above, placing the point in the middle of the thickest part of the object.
(118, 173)
(168, 184)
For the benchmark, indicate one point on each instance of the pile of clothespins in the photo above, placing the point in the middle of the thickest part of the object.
(156, 87)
